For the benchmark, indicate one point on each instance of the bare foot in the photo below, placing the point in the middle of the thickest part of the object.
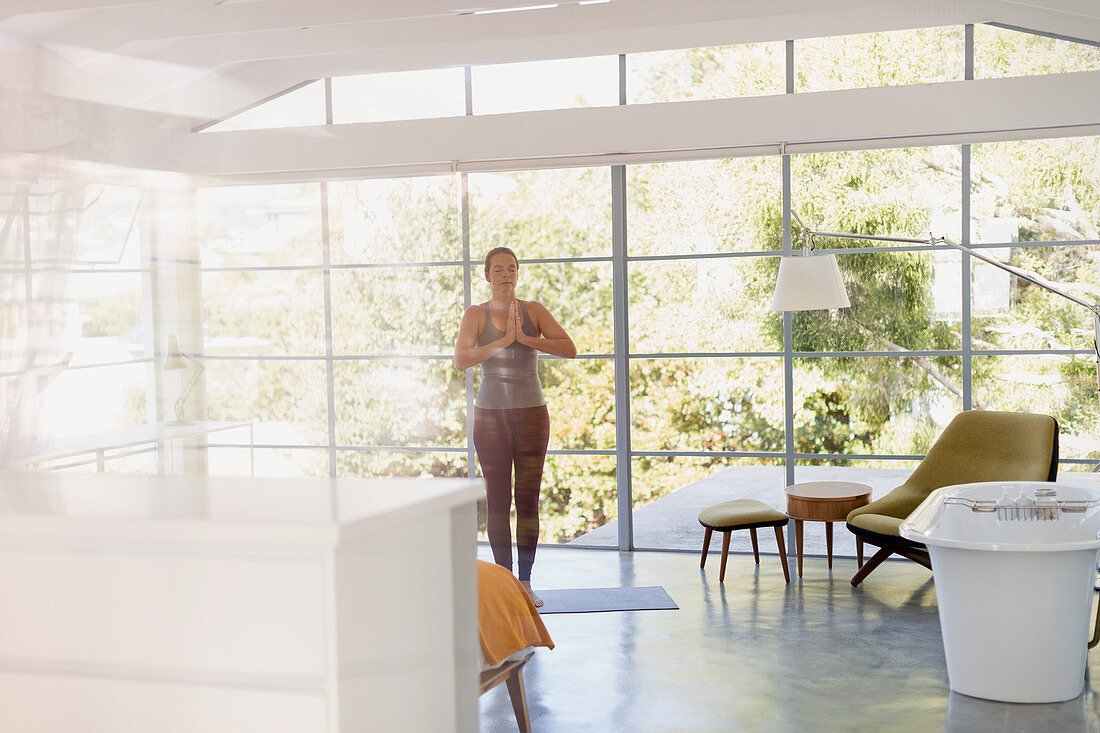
(534, 599)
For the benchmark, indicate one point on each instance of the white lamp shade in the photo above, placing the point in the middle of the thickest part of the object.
(809, 282)
(174, 360)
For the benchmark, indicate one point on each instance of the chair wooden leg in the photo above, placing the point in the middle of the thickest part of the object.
(859, 551)
(706, 546)
(755, 547)
(725, 551)
(877, 559)
(782, 553)
(920, 557)
(518, 695)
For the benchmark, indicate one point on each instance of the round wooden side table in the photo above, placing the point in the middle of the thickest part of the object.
(823, 501)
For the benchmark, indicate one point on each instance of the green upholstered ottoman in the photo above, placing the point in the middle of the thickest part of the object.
(747, 514)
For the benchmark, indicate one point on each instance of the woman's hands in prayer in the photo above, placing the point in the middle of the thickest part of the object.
(511, 331)
(515, 323)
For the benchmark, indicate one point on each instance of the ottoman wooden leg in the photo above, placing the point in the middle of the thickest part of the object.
(782, 553)
(755, 548)
(725, 551)
(706, 546)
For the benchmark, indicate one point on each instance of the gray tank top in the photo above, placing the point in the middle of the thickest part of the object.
(509, 378)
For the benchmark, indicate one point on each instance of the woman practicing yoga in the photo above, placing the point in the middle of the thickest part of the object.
(511, 423)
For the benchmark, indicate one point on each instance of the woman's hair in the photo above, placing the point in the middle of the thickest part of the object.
(499, 251)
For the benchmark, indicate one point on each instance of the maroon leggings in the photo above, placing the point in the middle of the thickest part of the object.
(504, 438)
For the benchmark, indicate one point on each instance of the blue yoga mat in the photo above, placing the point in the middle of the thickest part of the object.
(596, 600)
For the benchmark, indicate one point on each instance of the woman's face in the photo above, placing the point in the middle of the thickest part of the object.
(503, 272)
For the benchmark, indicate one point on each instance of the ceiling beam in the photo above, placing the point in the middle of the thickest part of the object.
(112, 27)
(288, 61)
(1060, 104)
(558, 32)
(237, 54)
(15, 8)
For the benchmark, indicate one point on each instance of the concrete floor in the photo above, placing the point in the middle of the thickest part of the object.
(755, 654)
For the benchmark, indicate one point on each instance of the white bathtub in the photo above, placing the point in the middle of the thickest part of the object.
(1014, 589)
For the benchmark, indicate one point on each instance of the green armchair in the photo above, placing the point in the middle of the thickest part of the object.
(976, 445)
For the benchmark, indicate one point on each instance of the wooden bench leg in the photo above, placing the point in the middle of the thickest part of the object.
(706, 546)
(518, 695)
(755, 549)
(725, 551)
(782, 553)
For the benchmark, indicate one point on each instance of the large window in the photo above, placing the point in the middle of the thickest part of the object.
(345, 294)
(76, 336)
(330, 308)
(263, 306)
(1036, 205)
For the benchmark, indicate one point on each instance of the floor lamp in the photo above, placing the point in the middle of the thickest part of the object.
(809, 283)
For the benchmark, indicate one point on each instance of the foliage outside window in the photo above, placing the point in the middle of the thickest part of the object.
(1000, 52)
(893, 58)
(722, 72)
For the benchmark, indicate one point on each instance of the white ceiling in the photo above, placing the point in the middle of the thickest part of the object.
(205, 59)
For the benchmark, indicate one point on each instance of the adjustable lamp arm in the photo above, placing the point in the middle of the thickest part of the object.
(1094, 308)
(190, 386)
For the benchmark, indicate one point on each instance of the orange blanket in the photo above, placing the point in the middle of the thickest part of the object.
(507, 619)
